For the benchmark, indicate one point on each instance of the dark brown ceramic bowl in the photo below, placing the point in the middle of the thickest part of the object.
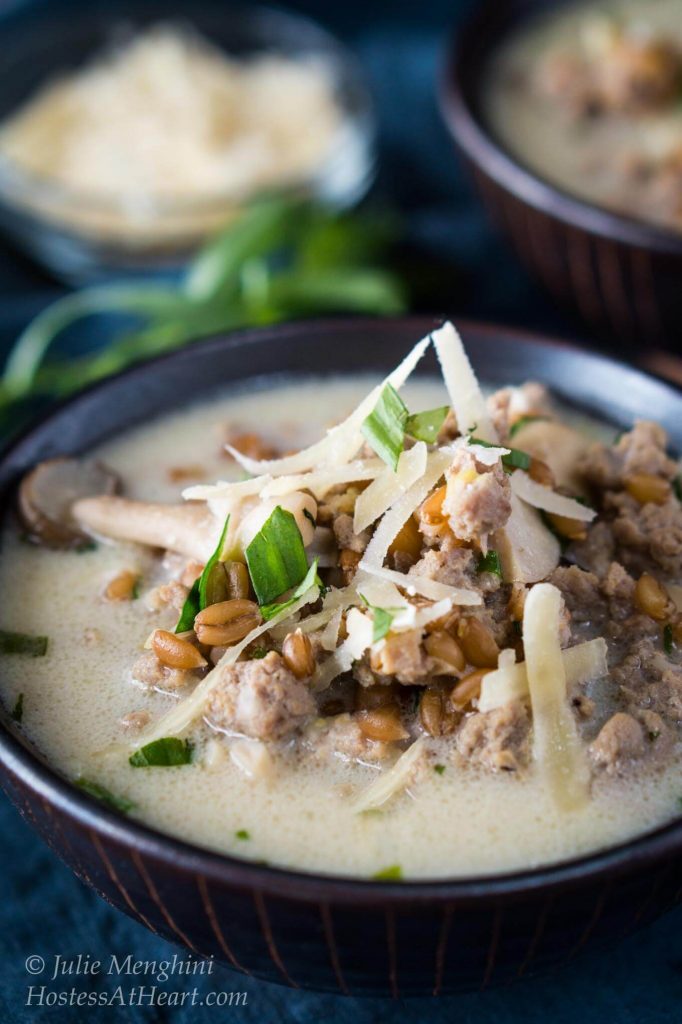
(623, 277)
(312, 931)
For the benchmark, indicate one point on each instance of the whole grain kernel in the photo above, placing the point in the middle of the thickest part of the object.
(297, 652)
(445, 649)
(226, 622)
(123, 587)
(382, 724)
(645, 488)
(468, 689)
(478, 643)
(651, 598)
(175, 652)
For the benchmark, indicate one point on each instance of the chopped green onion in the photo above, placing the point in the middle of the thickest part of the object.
(105, 796)
(22, 643)
(268, 611)
(490, 562)
(17, 712)
(242, 834)
(163, 753)
(668, 639)
(424, 426)
(257, 653)
(384, 428)
(393, 873)
(516, 459)
(196, 600)
(88, 545)
(190, 610)
(276, 557)
(216, 557)
(653, 735)
(439, 768)
(522, 422)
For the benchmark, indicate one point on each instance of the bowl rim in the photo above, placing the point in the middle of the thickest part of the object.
(25, 189)
(19, 761)
(509, 172)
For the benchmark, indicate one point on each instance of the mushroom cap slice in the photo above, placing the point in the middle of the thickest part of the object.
(47, 494)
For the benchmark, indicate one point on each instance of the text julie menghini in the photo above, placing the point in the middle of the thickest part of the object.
(145, 979)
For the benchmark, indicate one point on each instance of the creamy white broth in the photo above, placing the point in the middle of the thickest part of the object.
(455, 824)
(591, 157)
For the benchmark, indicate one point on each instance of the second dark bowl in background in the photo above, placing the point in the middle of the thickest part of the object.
(622, 277)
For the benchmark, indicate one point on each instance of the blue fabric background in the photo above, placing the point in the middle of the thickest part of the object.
(44, 910)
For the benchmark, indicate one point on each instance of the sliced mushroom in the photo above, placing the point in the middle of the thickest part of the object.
(190, 528)
(48, 492)
(559, 446)
(527, 549)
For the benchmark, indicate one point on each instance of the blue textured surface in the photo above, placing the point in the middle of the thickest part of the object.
(44, 911)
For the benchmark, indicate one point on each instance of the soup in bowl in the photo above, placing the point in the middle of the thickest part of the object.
(378, 629)
(588, 96)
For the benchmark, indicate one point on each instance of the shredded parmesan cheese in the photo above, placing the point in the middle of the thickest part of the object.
(582, 663)
(466, 396)
(545, 498)
(342, 442)
(399, 513)
(388, 486)
(556, 745)
(424, 585)
(170, 118)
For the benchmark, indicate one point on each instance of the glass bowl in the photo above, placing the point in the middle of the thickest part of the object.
(84, 237)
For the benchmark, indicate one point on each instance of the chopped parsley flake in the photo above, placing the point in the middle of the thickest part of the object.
(668, 639)
(393, 873)
(17, 712)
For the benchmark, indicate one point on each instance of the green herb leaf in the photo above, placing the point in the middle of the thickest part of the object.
(490, 562)
(242, 834)
(384, 428)
(104, 795)
(22, 643)
(276, 557)
(523, 421)
(217, 556)
(439, 768)
(393, 873)
(257, 653)
(17, 712)
(653, 735)
(677, 487)
(190, 610)
(516, 459)
(424, 426)
(382, 619)
(196, 600)
(268, 611)
(668, 639)
(163, 753)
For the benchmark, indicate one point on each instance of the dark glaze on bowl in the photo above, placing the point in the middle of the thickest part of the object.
(311, 931)
(620, 275)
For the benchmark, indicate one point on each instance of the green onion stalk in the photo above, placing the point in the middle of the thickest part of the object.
(279, 260)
